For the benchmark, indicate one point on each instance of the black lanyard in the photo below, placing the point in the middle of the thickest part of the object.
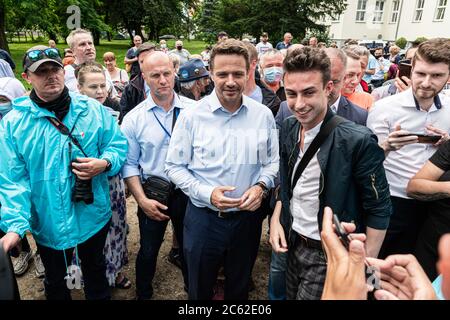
(65, 131)
(176, 112)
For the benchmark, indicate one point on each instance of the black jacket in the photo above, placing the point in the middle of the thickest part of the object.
(352, 180)
(133, 94)
(270, 99)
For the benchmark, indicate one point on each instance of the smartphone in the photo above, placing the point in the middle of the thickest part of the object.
(404, 70)
(424, 138)
(340, 231)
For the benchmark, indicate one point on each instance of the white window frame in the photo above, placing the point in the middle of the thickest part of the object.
(395, 11)
(440, 10)
(361, 11)
(378, 13)
(417, 10)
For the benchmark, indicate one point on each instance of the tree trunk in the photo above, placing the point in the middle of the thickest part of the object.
(32, 36)
(18, 35)
(3, 40)
(25, 34)
(96, 36)
(108, 34)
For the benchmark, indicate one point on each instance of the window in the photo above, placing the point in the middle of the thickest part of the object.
(378, 14)
(361, 11)
(440, 10)
(395, 11)
(419, 11)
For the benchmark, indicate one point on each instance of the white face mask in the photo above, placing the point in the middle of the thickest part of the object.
(273, 74)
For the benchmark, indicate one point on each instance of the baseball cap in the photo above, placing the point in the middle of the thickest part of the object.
(37, 55)
(192, 70)
(146, 46)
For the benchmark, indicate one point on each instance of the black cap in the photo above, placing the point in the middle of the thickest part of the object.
(32, 66)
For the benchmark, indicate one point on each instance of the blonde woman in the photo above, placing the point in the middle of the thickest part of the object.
(92, 83)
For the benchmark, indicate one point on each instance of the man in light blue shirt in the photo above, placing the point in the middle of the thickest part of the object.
(148, 130)
(371, 67)
(224, 156)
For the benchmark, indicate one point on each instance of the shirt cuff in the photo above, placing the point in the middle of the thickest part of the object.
(267, 181)
(130, 171)
(204, 194)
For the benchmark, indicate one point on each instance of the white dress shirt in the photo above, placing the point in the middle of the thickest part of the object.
(305, 198)
(403, 164)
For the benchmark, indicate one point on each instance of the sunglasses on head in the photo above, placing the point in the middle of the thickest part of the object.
(36, 55)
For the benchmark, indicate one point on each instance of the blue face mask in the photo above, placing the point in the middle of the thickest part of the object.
(273, 74)
(5, 107)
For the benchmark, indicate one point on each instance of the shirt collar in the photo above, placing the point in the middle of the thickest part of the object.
(214, 103)
(311, 132)
(336, 103)
(411, 101)
(176, 102)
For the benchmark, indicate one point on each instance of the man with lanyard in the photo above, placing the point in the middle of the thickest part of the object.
(57, 149)
(224, 156)
(315, 145)
(396, 120)
(148, 130)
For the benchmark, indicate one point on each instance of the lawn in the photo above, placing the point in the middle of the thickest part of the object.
(119, 47)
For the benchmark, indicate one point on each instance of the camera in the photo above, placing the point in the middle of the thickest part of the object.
(82, 191)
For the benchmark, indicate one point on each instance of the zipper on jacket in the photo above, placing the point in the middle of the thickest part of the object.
(322, 183)
(372, 177)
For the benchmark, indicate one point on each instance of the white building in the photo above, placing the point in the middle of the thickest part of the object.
(391, 19)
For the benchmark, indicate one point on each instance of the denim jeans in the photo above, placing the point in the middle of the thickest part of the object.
(277, 276)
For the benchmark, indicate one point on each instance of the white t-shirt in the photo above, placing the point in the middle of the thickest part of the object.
(263, 47)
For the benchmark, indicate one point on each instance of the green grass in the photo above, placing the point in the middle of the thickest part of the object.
(119, 47)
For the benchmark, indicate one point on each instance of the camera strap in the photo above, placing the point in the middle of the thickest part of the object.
(65, 131)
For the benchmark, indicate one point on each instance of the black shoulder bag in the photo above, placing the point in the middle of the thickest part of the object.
(157, 188)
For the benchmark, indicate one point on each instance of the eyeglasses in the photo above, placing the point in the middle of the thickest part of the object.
(36, 55)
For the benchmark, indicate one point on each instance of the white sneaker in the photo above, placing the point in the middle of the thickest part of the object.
(21, 263)
(40, 269)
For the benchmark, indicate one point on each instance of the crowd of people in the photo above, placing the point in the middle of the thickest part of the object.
(216, 143)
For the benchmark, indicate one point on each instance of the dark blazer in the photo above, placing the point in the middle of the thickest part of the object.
(352, 177)
(346, 109)
(351, 111)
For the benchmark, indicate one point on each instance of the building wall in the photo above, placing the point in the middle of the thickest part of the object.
(347, 26)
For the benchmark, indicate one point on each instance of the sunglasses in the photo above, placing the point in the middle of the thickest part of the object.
(36, 55)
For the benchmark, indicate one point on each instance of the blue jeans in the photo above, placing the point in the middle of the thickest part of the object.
(277, 276)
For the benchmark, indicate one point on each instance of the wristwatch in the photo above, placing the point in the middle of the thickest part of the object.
(108, 165)
(264, 188)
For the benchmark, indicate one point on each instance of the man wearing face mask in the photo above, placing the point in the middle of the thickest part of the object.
(183, 54)
(194, 78)
(10, 88)
(271, 67)
(255, 88)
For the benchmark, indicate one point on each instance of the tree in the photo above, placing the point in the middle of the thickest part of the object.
(273, 16)
(401, 42)
(3, 40)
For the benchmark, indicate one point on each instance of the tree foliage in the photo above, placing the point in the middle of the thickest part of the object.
(273, 16)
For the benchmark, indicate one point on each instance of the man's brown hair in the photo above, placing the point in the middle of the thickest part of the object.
(230, 47)
(308, 59)
(252, 53)
(435, 50)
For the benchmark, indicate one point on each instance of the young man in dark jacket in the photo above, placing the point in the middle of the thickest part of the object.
(346, 174)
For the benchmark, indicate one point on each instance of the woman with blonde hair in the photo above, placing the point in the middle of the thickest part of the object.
(92, 83)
